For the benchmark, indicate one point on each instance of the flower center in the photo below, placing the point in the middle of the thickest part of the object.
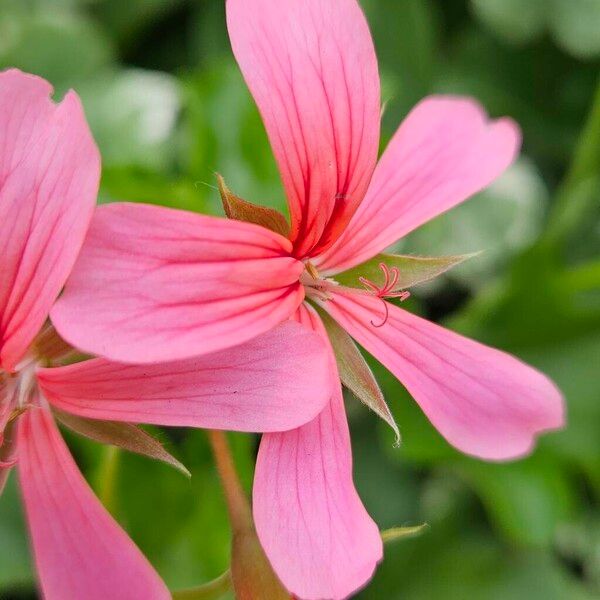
(18, 390)
(322, 288)
(315, 286)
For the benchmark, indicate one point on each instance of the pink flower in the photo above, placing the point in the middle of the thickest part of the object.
(157, 284)
(49, 174)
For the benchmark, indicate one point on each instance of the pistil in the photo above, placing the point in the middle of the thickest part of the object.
(387, 290)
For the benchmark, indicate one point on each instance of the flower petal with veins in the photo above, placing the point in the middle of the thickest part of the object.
(483, 401)
(276, 381)
(49, 176)
(80, 551)
(154, 284)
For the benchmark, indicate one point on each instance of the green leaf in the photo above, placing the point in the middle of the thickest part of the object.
(133, 115)
(356, 374)
(15, 561)
(213, 590)
(575, 24)
(501, 221)
(62, 45)
(123, 435)
(516, 21)
(241, 210)
(527, 500)
(412, 269)
(399, 533)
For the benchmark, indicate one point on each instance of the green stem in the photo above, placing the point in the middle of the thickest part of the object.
(106, 478)
(238, 506)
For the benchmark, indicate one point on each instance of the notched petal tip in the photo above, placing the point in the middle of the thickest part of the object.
(485, 402)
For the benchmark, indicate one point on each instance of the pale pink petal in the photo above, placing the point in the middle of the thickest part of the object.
(444, 152)
(309, 518)
(154, 284)
(49, 174)
(276, 381)
(312, 69)
(483, 401)
(80, 551)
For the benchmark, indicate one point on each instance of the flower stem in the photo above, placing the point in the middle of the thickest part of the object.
(251, 573)
(237, 502)
(107, 475)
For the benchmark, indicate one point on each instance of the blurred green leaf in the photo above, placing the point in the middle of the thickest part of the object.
(515, 20)
(526, 500)
(499, 223)
(575, 24)
(133, 114)
(470, 565)
(15, 562)
(62, 45)
(128, 19)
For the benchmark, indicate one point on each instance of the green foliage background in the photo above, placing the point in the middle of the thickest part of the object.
(168, 107)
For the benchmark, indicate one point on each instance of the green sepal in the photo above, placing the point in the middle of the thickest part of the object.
(399, 533)
(355, 372)
(412, 269)
(123, 435)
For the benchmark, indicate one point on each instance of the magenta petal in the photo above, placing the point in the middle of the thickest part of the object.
(49, 174)
(154, 284)
(445, 151)
(309, 518)
(312, 70)
(483, 401)
(276, 381)
(80, 551)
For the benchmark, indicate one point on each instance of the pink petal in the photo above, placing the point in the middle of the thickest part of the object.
(483, 401)
(80, 551)
(49, 174)
(154, 284)
(274, 382)
(445, 151)
(312, 69)
(309, 518)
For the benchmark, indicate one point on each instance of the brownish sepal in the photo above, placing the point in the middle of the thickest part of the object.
(242, 210)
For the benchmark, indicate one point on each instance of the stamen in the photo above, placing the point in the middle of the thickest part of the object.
(391, 277)
(395, 277)
(312, 270)
(369, 285)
